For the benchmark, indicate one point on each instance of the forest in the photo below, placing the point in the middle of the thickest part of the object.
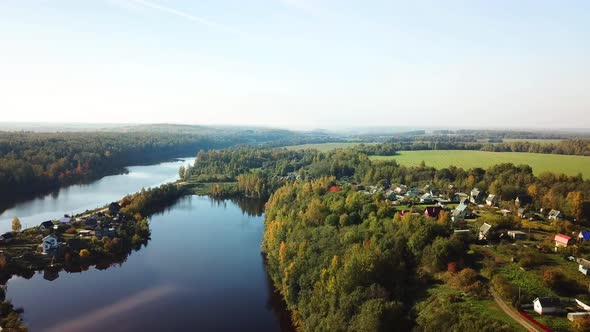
(344, 260)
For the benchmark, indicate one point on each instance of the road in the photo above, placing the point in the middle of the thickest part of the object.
(514, 314)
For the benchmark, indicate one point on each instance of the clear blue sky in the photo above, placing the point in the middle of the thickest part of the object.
(297, 63)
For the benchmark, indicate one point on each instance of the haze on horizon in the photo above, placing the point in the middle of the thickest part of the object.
(297, 63)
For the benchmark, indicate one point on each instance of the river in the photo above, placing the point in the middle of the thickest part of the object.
(81, 197)
(201, 271)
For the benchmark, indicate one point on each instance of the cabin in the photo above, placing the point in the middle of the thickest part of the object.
(432, 211)
(476, 196)
(459, 213)
(547, 305)
(426, 198)
(555, 215)
(49, 243)
(584, 236)
(562, 241)
(583, 266)
(46, 225)
(491, 200)
(517, 235)
(485, 231)
(523, 200)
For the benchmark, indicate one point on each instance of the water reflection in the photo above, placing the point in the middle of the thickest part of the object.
(201, 270)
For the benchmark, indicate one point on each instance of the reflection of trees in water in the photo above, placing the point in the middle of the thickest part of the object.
(252, 207)
(277, 305)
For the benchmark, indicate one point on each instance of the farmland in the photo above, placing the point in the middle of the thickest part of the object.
(570, 165)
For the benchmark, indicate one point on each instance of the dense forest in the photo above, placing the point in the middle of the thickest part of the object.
(32, 163)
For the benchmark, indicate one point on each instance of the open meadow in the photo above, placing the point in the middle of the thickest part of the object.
(570, 165)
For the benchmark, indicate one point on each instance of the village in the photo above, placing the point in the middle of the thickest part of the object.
(69, 242)
(508, 233)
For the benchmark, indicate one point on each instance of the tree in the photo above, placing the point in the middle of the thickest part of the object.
(84, 253)
(16, 225)
(182, 172)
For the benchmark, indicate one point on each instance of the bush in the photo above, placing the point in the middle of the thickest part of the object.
(84, 253)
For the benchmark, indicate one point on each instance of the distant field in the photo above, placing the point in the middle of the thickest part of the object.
(571, 165)
(323, 147)
(533, 140)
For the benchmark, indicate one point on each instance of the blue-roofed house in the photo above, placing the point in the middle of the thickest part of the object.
(584, 236)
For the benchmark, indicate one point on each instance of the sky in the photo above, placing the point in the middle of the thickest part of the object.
(297, 63)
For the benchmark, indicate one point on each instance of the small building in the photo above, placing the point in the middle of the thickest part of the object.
(46, 225)
(485, 231)
(432, 211)
(562, 240)
(459, 213)
(555, 215)
(65, 220)
(584, 236)
(491, 200)
(522, 212)
(573, 316)
(401, 189)
(476, 196)
(426, 198)
(84, 232)
(505, 212)
(547, 305)
(462, 232)
(523, 200)
(583, 265)
(414, 192)
(49, 243)
(517, 235)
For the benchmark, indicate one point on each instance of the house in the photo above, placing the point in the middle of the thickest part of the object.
(413, 192)
(6, 237)
(459, 213)
(547, 305)
(435, 192)
(523, 200)
(332, 189)
(505, 212)
(432, 211)
(46, 225)
(460, 197)
(390, 194)
(426, 198)
(65, 220)
(49, 243)
(491, 200)
(476, 196)
(522, 213)
(84, 232)
(485, 231)
(517, 235)
(583, 266)
(462, 232)
(555, 215)
(562, 240)
(401, 190)
(584, 236)
(114, 208)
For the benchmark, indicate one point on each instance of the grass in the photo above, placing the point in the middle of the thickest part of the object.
(570, 165)
(324, 147)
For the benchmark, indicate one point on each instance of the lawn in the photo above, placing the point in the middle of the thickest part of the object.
(571, 165)
(323, 147)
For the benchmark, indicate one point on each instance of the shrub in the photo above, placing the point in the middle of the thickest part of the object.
(84, 253)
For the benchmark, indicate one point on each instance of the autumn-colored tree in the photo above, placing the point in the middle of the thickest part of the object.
(84, 253)
(575, 200)
(16, 225)
(533, 191)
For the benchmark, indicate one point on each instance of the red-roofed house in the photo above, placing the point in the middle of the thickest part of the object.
(334, 189)
(562, 240)
(432, 211)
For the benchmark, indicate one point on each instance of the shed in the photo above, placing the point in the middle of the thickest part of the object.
(517, 235)
(484, 231)
(547, 305)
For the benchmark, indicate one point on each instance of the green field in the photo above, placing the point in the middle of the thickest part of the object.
(323, 147)
(571, 165)
(533, 140)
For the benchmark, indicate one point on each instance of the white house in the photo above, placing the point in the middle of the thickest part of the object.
(584, 266)
(547, 305)
(555, 215)
(491, 200)
(49, 243)
(484, 231)
(459, 213)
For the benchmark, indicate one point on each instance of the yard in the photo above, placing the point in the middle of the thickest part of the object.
(570, 165)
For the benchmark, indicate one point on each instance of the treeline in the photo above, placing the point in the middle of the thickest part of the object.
(149, 201)
(579, 147)
(343, 262)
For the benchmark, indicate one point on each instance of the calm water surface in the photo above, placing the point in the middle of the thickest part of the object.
(79, 198)
(201, 271)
